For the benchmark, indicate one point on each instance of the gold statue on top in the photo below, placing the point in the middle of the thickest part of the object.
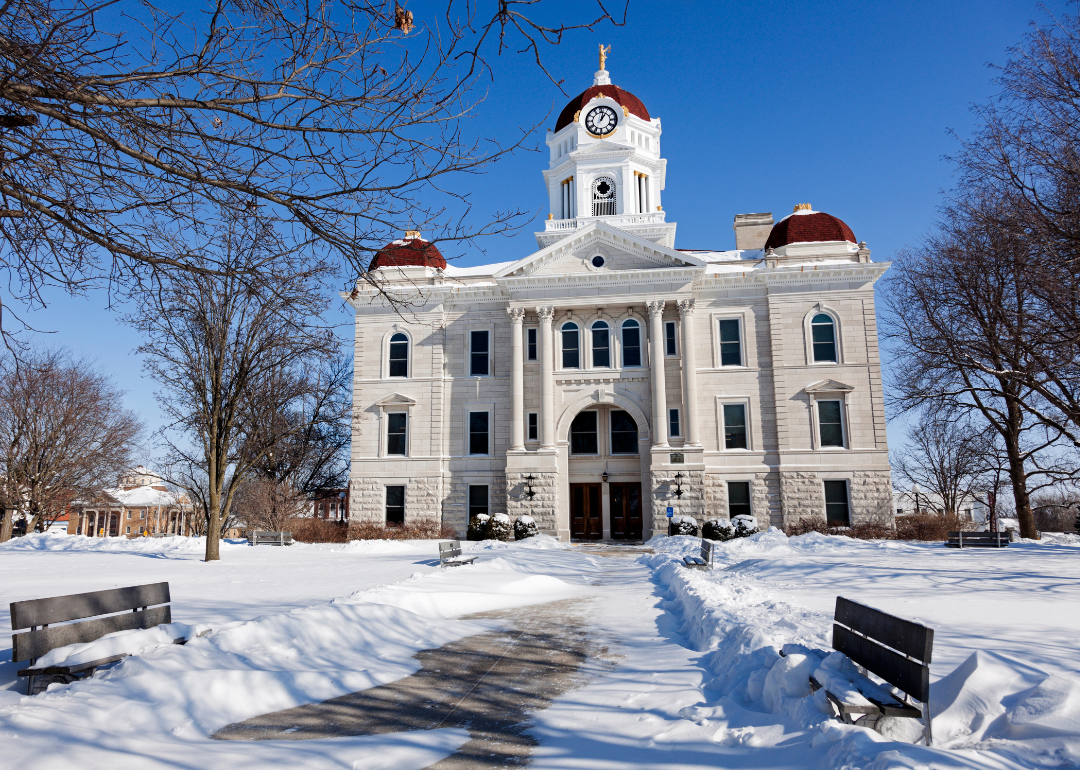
(603, 55)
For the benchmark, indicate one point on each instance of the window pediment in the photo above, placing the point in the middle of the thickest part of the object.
(395, 400)
(828, 386)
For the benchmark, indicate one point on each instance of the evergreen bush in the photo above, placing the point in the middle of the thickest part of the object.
(683, 525)
(524, 527)
(499, 528)
(719, 530)
(477, 527)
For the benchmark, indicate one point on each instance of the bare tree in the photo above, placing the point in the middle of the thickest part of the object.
(63, 434)
(335, 122)
(269, 504)
(215, 341)
(946, 456)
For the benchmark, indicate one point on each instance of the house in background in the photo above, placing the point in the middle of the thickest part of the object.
(141, 504)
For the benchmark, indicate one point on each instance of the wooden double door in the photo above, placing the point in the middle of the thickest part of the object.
(586, 517)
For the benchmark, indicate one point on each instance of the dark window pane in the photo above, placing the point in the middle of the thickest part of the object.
(823, 334)
(738, 498)
(631, 339)
(735, 426)
(570, 357)
(478, 433)
(669, 338)
(478, 499)
(395, 433)
(534, 428)
(395, 505)
(478, 349)
(730, 345)
(829, 423)
(583, 434)
(399, 356)
(601, 350)
(624, 434)
(673, 423)
(532, 344)
(836, 504)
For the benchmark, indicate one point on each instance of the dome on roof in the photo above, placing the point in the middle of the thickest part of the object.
(808, 226)
(410, 251)
(627, 100)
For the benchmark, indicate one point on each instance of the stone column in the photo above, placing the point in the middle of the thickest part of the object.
(547, 378)
(659, 379)
(689, 360)
(517, 379)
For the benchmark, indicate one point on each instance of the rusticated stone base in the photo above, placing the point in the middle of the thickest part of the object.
(692, 502)
(541, 506)
(455, 508)
(423, 499)
(869, 495)
(764, 497)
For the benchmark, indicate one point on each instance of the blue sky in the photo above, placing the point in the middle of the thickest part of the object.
(845, 105)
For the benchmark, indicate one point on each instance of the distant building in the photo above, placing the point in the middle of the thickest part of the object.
(141, 504)
(908, 502)
(331, 505)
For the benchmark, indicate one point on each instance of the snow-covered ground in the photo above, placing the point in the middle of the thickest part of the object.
(691, 676)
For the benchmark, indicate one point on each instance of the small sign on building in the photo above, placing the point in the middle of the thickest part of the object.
(678, 457)
(670, 511)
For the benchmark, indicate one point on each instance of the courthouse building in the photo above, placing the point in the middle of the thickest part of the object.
(609, 375)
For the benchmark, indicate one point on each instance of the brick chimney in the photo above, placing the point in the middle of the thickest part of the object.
(752, 230)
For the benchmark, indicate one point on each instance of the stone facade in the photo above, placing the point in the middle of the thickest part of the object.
(608, 362)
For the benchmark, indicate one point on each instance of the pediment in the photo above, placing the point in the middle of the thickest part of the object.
(828, 386)
(602, 146)
(395, 399)
(622, 251)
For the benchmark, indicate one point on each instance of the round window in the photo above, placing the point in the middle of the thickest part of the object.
(598, 261)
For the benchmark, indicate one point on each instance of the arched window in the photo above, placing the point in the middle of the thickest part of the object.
(571, 346)
(823, 336)
(601, 345)
(624, 437)
(603, 197)
(399, 355)
(631, 343)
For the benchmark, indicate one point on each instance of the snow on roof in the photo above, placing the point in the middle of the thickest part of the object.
(453, 271)
(142, 496)
(724, 256)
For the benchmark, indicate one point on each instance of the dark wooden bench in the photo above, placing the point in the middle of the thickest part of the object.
(139, 607)
(892, 648)
(705, 560)
(269, 538)
(978, 540)
(450, 555)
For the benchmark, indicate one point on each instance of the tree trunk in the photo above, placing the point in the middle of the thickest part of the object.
(1018, 474)
(7, 521)
(213, 527)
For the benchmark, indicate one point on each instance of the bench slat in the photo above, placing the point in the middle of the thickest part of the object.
(58, 609)
(910, 638)
(34, 644)
(910, 676)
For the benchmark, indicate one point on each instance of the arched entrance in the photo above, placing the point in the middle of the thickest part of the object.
(604, 447)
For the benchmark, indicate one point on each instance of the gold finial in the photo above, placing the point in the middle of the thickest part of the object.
(803, 207)
(603, 55)
(412, 233)
(551, 216)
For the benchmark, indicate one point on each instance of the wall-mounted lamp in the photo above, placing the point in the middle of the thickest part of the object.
(529, 491)
(678, 487)
(603, 476)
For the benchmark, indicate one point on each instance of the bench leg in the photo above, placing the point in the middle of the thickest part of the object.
(928, 734)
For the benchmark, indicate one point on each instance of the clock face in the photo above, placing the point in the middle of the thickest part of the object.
(601, 121)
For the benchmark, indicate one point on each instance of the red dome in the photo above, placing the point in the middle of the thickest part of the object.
(624, 98)
(806, 226)
(409, 251)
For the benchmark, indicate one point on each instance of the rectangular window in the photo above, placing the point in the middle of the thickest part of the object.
(479, 354)
(478, 500)
(624, 433)
(738, 496)
(631, 344)
(396, 431)
(830, 423)
(395, 505)
(601, 346)
(530, 345)
(478, 433)
(583, 434)
(670, 348)
(730, 343)
(836, 504)
(129, 530)
(534, 426)
(735, 426)
(142, 514)
(674, 429)
(571, 358)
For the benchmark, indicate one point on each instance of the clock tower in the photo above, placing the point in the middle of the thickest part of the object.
(605, 165)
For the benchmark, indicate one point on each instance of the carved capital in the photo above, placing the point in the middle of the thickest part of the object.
(686, 307)
(545, 313)
(656, 308)
(517, 314)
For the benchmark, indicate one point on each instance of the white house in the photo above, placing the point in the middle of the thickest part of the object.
(609, 375)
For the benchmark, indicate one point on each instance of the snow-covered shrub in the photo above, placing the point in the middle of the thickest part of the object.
(744, 526)
(499, 528)
(683, 525)
(720, 530)
(478, 527)
(525, 527)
